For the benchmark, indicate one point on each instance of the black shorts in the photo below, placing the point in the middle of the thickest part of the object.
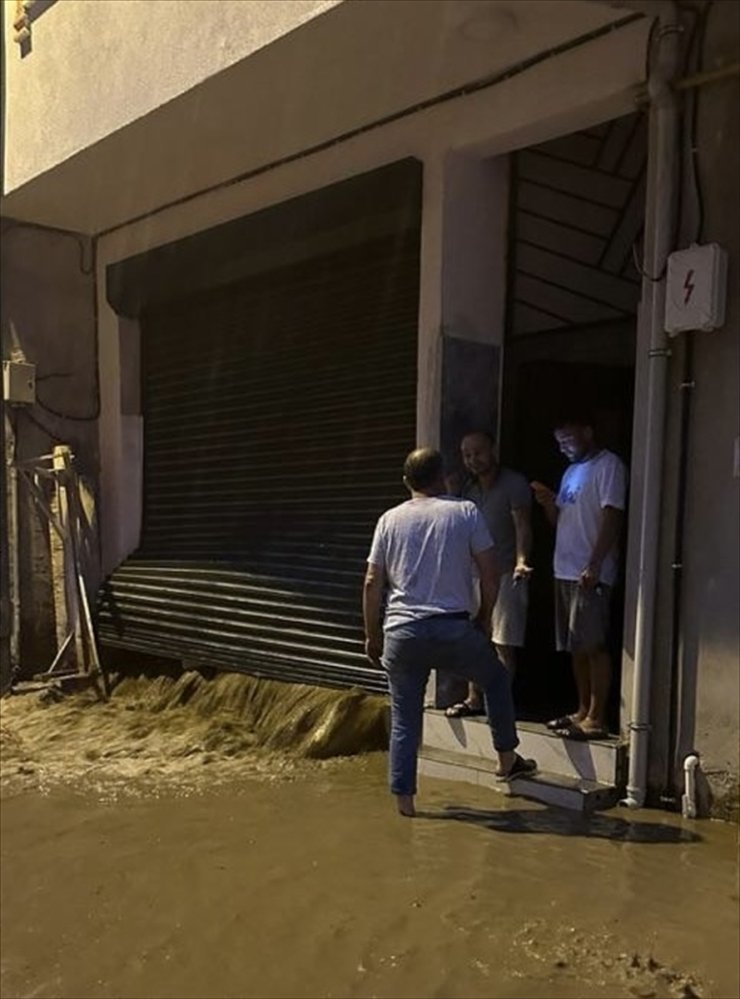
(581, 616)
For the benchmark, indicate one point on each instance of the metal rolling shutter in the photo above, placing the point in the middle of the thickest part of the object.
(278, 411)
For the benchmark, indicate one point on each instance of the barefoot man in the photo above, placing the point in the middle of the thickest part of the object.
(587, 514)
(423, 552)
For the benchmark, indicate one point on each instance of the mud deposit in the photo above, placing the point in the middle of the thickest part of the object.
(196, 838)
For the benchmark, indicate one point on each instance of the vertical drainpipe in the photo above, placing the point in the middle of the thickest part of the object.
(660, 227)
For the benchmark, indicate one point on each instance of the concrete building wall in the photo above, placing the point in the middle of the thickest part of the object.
(94, 67)
(360, 65)
(707, 691)
(473, 290)
(552, 98)
(47, 315)
(710, 682)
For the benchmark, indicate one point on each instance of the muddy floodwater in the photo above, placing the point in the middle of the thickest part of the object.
(171, 844)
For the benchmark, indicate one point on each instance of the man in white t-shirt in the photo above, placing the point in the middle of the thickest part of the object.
(587, 513)
(423, 553)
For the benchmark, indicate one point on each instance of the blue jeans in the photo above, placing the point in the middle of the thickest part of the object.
(410, 652)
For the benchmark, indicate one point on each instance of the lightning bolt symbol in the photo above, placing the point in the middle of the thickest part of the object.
(688, 286)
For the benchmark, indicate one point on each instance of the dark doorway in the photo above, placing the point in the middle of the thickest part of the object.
(536, 390)
(575, 228)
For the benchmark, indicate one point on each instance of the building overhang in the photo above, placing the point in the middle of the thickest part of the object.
(359, 66)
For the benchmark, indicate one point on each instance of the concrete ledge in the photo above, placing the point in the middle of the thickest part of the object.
(551, 789)
(602, 761)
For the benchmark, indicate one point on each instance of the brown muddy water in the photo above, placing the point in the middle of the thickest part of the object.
(195, 838)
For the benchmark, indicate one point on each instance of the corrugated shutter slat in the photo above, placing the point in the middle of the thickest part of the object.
(277, 414)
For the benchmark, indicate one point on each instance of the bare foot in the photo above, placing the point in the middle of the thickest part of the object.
(405, 805)
(592, 725)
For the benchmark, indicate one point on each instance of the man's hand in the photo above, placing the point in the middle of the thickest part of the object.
(522, 571)
(542, 493)
(374, 650)
(372, 597)
(589, 577)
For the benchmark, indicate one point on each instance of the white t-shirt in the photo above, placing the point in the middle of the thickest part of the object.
(426, 546)
(586, 488)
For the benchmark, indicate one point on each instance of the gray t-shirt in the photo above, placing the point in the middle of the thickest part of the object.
(426, 548)
(510, 491)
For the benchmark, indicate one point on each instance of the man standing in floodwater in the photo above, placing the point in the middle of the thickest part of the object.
(586, 513)
(424, 550)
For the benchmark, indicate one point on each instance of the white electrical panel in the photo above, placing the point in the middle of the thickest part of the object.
(696, 289)
(19, 383)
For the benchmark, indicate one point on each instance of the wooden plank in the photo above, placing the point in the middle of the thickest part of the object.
(560, 207)
(582, 183)
(559, 238)
(583, 281)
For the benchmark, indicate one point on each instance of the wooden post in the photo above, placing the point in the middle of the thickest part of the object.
(11, 501)
(64, 572)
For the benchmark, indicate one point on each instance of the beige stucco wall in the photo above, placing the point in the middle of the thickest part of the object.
(97, 65)
(356, 66)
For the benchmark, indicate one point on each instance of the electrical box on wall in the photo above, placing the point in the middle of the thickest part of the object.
(19, 383)
(696, 289)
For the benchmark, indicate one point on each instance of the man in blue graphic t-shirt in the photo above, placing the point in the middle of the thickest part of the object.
(587, 513)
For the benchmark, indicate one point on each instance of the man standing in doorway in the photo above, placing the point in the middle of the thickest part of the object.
(587, 514)
(505, 500)
(423, 551)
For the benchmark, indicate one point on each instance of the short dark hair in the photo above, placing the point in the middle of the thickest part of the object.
(477, 432)
(423, 467)
(573, 418)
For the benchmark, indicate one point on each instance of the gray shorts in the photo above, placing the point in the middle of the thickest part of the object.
(509, 617)
(581, 616)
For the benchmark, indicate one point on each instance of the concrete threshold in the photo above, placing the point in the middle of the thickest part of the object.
(575, 793)
(583, 776)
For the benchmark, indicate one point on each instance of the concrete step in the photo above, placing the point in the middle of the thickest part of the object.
(600, 761)
(552, 789)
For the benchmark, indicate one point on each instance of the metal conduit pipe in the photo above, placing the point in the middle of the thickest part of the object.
(660, 225)
(688, 799)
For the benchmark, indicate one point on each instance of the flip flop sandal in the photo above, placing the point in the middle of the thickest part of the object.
(578, 734)
(464, 710)
(519, 768)
(557, 723)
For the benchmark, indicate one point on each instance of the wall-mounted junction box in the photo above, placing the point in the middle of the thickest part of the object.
(696, 289)
(19, 383)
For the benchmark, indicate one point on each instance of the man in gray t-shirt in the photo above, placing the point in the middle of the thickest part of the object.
(423, 553)
(505, 500)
